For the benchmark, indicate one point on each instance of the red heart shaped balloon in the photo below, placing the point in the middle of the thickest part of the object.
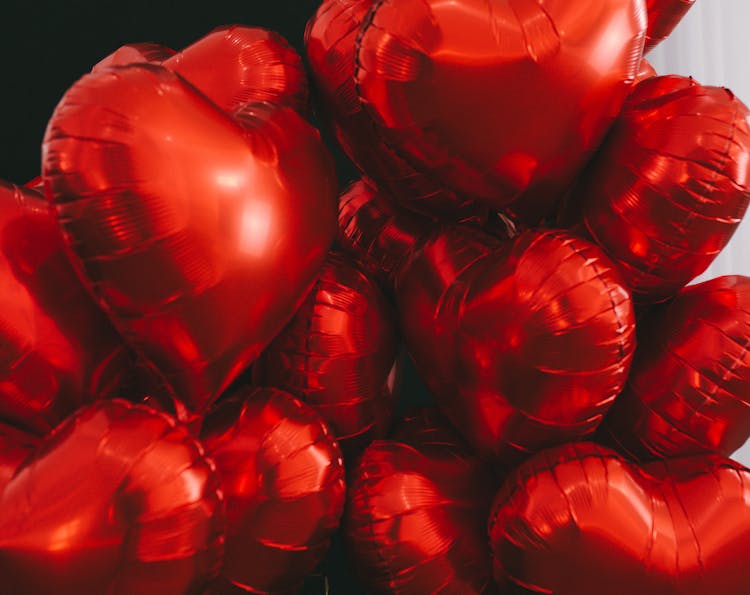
(57, 348)
(670, 184)
(283, 480)
(663, 16)
(689, 387)
(500, 100)
(200, 234)
(579, 520)
(237, 65)
(118, 499)
(416, 514)
(330, 42)
(523, 343)
(337, 354)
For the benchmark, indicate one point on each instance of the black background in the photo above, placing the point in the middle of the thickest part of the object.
(46, 46)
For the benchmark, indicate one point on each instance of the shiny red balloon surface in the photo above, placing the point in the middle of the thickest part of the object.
(689, 386)
(15, 447)
(331, 51)
(232, 66)
(57, 348)
(134, 53)
(523, 343)
(425, 427)
(501, 100)
(416, 515)
(200, 234)
(579, 520)
(378, 234)
(283, 480)
(646, 71)
(236, 65)
(670, 184)
(337, 354)
(663, 16)
(118, 499)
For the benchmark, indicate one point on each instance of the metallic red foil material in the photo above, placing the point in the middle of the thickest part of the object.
(337, 354)
(580, 520)
(15, 447)
(330, 41)
(378, 234)
(58, 351)
(663, 17)
(416, 514)
(523, 343)
(134, 53)
(670, 184)
(425, 427)
(237, 65)
(646, 71)
(199, 234)
(500, 100)
(118, 499)
(689, 386)
(232, 66)
(283, 480)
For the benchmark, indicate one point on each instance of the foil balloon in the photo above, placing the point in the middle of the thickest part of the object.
(337, 354)
(198, 233)
(580, 520)
(378, 234)
(646, 71)
(689, 386)
(523, 343)
(134, 53)
(416, 514)
(118, 499)
(232, 66)
(15, 447)
(671, 183)
(283, 479)
(58, 351)
(500, 100)
(663, 17)
(36, 184)
(330, 42)
(426, 427)
(237, 65)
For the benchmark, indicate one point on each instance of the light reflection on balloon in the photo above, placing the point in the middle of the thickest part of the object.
(500, 101)
(283, 479)
(59, 351)
(523, 343)
(416, 514)
(161, 238)
(236, 65)
(670, 183)
(119, 499)
(581, 520)
(689, 387)
(337, 353)
(330, 40)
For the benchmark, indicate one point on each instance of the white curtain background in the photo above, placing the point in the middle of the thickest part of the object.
(712, 44)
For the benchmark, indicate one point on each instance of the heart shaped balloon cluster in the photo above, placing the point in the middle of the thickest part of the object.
(222, 379)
